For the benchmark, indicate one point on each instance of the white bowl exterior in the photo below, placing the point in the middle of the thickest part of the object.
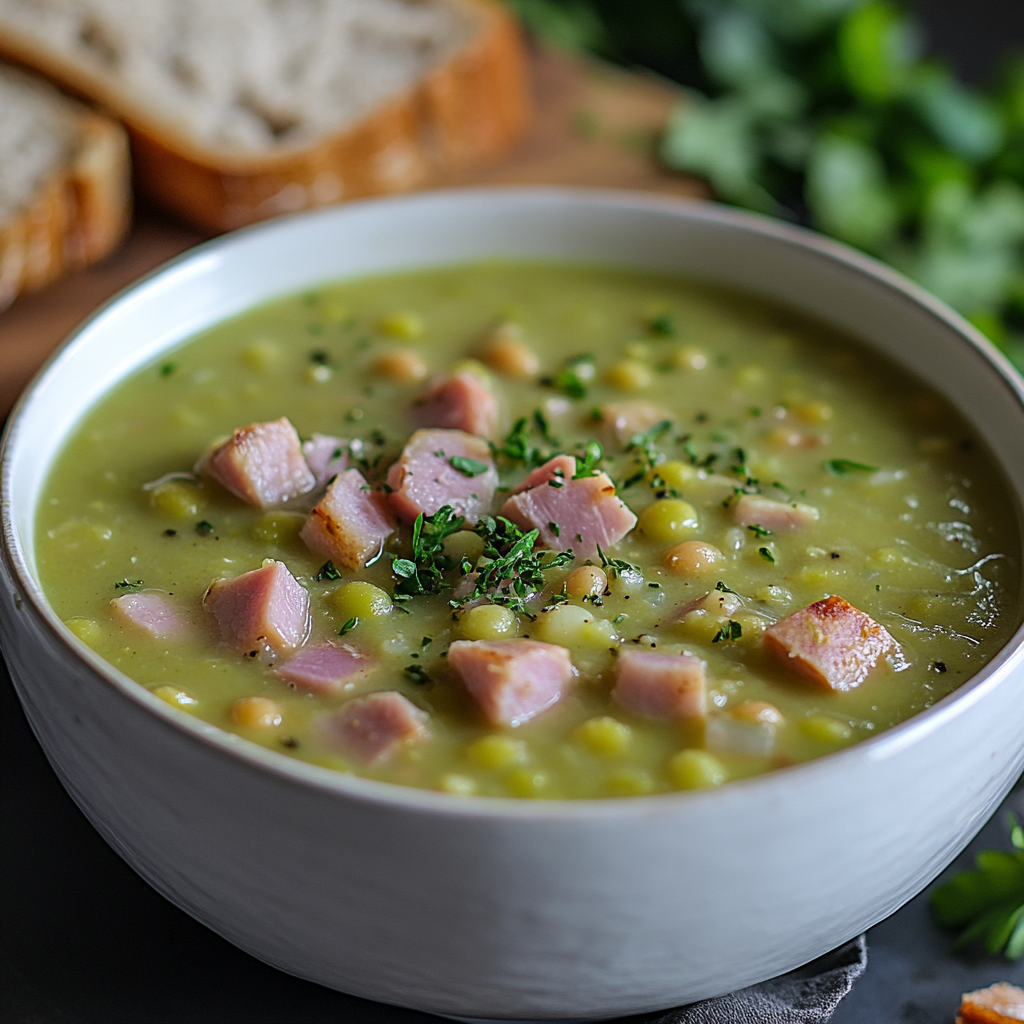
(495, 908)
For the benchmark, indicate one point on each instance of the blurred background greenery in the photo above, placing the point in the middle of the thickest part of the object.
(829, 113)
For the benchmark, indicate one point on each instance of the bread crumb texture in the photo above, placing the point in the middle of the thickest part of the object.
(38, 132)
(249, 75)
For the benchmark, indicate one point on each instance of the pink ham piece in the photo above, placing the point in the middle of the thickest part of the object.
(424, 479)
(350, 523)
(622, 421)
(512, 680)
(777, 516)
(262, 464)
(830, 642)
(150, 612)
(660, 686)
(460, 402)
(263, 608)
(326, 456)
(374, 728)
(586, 512)
(326, 669)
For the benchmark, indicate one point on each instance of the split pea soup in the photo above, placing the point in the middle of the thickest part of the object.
(529, 530)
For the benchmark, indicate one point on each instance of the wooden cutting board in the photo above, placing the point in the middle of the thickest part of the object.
(594, 125)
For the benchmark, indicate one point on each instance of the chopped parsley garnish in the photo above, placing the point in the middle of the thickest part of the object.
(328, 571)
(517, 446)
(661, 325)
(204, 528)
(759, 531)
(553, 527)
(560, 597)
(127, 584)
(766, 554)
(732, 630)
(167, 369)
(417, 673)
(572, 377)
(467, 467)
(617, 566)
(424, 572)
(723, 588)
(426, 641)
(515, 571)
(541, 423)
(350, 625)
(843, 467)
(987, 904)
(590, 464)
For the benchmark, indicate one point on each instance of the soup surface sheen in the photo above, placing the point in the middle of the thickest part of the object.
(914, 527)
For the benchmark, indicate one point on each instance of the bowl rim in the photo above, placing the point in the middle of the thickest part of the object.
(875, 748)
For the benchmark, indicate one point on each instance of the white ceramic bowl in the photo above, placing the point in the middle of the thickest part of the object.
(502, 908)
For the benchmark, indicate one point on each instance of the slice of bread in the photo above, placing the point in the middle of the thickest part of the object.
(241, 109)
(65, 200)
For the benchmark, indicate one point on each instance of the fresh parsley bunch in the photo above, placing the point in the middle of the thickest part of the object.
(987, 904)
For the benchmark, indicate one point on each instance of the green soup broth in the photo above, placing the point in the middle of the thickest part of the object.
(916, 527)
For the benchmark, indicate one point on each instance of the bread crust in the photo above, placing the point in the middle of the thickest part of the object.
(467, 110)
(78, 215)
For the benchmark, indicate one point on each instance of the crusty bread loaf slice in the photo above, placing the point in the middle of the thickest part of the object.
(65, 198)
(241, 109)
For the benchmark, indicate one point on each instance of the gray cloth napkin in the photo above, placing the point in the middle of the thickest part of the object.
(808, 995)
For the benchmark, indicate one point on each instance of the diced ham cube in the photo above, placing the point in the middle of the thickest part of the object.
(660, 686)
(512, 680)
(326, 669)
(748, 729)
(326, 456)
(424, 479)
(350, 523)
(262, 464)
(374, 728)
(459, 402)
(622, 421)
(150, 612)
(263, 608)
(578, 514)
(830, 642)
(777, 516)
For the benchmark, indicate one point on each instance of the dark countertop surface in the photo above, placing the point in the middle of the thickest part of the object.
(83, 939)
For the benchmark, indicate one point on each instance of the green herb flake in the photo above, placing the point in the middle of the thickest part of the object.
(732, 630)
(766, 554)
(986, 904)
(417, 673)
(843, 467)
(723, 588)
(617, 566)
(319, 357)
(759, 531)
(661, 325)
(424, 572)
(127, 584)
(349, 626)
(467, 467)
(590, 464)
(572, 377)
(426, 641)
(167, 369)
(553, 527)
(204, 528)
(328, 571)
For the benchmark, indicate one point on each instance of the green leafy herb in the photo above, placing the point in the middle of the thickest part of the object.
(327, 572)
(766, 554)
(987, 904)
(426, 641)
(553, 527)
(349, 625)
(540, 421)
(843, 467)
(645, 452)
(424, 572)
(467, 467)
(573, 376)
(759, 531)
(127, 584)
(590, 464)
(661, 325)
(167, 369)
(723, 588)
(518, 446)
(515, 572)
(417, 673)
(617, 566)
(732, 630)
(204, 528)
